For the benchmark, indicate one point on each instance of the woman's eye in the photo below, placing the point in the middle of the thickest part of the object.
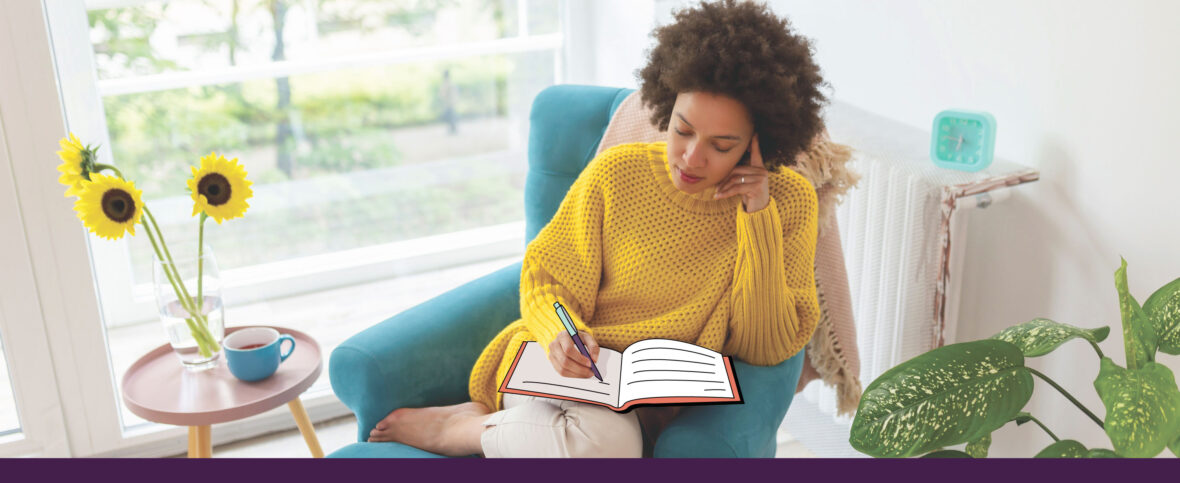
(682, 133)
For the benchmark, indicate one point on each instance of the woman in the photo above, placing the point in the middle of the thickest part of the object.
(702, 238)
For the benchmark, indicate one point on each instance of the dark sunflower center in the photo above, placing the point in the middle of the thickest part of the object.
(118, 205)
(215, 188)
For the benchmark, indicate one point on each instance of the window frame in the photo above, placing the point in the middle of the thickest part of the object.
(129, 300)
(50, 306)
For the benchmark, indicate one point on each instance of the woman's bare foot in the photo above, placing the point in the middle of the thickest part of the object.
(446, 430)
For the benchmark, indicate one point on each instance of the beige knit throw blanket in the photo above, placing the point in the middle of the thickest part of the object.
(831, 353)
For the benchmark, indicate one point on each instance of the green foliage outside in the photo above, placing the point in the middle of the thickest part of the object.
(345, 121)
(344, 118)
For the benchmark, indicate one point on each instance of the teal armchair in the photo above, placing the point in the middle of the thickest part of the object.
(423, 356)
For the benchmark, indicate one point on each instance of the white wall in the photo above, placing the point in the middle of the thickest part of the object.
(1085, 91)
(605, 41)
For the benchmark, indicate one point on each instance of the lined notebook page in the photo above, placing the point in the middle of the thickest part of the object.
(669, 368)
(535, 373)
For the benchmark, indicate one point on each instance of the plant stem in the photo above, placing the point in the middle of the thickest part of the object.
(199, 328)
(198, 311)
(201, 260)
(203, 345)
(1068, 396)
(1096, 349)
(167, 273)
(1051, 435)
(100, 167)
(168, 254)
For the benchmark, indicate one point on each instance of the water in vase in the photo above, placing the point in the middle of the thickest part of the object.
(180, 335)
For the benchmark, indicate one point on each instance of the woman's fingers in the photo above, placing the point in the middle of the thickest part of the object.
(755, 153)
(734, 185)
(591, 344)
(567, 360)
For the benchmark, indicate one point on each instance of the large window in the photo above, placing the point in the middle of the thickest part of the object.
(386, 141)
(387, 145)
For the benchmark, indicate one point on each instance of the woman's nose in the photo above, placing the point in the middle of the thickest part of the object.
(693, 156)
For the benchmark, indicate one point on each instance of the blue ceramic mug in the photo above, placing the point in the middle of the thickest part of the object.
(253, 354)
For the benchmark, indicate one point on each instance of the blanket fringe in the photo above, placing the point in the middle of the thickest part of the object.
(827, 357)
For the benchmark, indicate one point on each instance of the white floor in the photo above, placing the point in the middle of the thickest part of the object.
(341, 432)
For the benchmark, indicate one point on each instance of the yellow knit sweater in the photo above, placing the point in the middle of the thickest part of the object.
(631, 257)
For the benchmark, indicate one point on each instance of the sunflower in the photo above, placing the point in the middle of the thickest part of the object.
(109, 206)
(220, 188)
(77, 163)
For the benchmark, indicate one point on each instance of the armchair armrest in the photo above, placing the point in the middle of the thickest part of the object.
(423, 356)
(745, 430)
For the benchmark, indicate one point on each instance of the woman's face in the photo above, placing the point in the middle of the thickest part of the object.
(707, 136)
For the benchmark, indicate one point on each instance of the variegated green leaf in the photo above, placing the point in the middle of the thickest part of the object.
(1038, 337)
(950, 395)
(978, 448)
(946, 453)
(1138, 334)
(1163, 310)
(1066, 448)
(1102, 453)
(1175, 446)
(1142, 407)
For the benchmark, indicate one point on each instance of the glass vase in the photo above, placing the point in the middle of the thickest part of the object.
(184, 322)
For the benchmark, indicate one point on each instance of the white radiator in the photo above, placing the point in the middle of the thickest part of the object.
(902, 230)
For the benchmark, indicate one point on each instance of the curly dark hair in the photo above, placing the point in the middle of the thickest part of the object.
(743, 51)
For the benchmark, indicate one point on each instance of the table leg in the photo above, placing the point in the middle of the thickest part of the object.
(204, 442)
(305, 427)
(192, 442)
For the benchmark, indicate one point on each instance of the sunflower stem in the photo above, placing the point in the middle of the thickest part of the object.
(200, 328)
(196, 307)
(201, 259)
(199, 336)
(99, 168)
(1068, 396)
(167, 273)
(201, 344)
(168, 263)
(205, 342)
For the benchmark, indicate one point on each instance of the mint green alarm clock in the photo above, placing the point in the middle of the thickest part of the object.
(963, 139)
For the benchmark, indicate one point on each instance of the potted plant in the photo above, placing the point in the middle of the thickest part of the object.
(961, 393)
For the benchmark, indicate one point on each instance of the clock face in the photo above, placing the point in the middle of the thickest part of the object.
(963, 139)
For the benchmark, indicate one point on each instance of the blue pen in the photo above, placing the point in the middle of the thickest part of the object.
(569, 327)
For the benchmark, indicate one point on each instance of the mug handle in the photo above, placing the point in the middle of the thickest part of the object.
(283, 337)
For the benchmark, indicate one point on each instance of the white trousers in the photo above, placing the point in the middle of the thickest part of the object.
(537, 427)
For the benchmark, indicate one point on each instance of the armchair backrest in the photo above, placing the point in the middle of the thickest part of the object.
(565, 127)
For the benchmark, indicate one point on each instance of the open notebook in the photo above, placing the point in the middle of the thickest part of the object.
(652, 371)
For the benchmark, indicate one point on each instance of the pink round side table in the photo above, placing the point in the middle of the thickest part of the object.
(158, 389)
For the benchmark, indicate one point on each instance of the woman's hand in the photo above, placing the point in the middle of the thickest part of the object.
(567, 359)
(749, 181)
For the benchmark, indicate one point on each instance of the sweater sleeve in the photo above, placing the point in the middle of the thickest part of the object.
(774, 305)
(564, 262)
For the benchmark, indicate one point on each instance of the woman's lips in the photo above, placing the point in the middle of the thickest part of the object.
(686, 178)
